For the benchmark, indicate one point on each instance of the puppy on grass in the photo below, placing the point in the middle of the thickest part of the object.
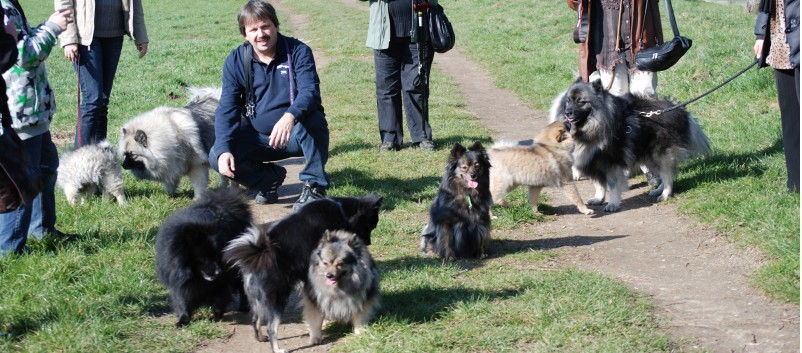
(343, 284)
(90, 169)
(545, 163)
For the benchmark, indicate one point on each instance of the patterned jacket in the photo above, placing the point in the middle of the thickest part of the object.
(30, 98)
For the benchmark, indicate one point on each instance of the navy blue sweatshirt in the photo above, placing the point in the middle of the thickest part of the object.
(271, 86)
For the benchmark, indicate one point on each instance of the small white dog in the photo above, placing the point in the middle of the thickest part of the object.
(90, 169)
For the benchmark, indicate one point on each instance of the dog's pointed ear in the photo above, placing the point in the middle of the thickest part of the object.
(375, 199)
(477, 146)
(559, 133)
(352, 240)
(597, 86)
(456, 152)
(141, 138)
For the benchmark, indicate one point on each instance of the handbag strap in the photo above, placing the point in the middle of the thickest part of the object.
(671, 19)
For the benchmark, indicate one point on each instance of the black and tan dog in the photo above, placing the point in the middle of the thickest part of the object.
(459, 224)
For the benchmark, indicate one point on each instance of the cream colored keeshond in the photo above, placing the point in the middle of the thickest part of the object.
(90, 169)
(545, 163)
(168, 143)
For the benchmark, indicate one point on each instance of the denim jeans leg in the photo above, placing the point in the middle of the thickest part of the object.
(43, 216)
(14, 225)
(96, 67)
(249, 157)
(311, 137)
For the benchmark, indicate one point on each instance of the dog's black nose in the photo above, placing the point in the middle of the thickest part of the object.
(329, 275)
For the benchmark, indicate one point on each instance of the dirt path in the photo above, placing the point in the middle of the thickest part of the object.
(697, 279)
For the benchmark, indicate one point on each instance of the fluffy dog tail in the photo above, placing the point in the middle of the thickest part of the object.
(251, 251)
(699, 142)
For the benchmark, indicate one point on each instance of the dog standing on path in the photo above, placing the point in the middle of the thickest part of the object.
(546, 163)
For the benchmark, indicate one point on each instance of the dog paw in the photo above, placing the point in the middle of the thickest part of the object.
(612, 208)
(588, 212)
(595, 202)
(315, 340)
(662, 198)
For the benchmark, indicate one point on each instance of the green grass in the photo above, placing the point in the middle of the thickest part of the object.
(101, 293)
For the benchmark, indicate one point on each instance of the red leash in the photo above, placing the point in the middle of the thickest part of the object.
(78, 106)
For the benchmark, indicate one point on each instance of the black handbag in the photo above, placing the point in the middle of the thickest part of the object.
(663, 56)
(20, 181)
(441, 33)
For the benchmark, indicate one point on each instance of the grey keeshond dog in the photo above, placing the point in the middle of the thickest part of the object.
(613, 135)
(168, 143)
(90, 169)
(343, 284)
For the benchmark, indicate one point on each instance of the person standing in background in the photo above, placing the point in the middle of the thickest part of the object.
(93, 43)
(392, 33)
(616, 30)
(777, 45)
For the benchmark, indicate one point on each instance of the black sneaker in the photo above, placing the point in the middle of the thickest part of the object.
(389, 146)
(270, 195)
(311, 192)
(424, 145)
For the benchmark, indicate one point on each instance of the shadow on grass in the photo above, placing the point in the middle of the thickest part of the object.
(723, 166)
(426, 302)
(502, 247)
(392, 189)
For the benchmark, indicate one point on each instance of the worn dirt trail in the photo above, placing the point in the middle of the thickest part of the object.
(697, 279)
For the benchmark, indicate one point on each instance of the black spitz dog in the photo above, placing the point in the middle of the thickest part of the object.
(459, 224)
(189, 253)
(274, 259)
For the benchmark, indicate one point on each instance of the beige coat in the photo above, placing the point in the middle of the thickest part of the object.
(81, 31)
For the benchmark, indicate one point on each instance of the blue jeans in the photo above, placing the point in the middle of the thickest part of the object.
(39, 217)
(310, 139)
(96, 67)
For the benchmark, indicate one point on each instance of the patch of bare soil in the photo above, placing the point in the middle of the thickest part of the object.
(697, 279)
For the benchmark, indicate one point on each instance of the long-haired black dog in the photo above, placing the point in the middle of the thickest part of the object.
(189, 253)
(274, 258)
(459, 224)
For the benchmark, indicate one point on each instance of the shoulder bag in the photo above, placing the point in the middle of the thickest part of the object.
(440, 30)
(663, 56)
(20, 181)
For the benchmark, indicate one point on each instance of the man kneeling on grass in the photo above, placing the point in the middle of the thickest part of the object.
(270, 110)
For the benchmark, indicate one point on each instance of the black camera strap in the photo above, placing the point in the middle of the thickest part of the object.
(250, 100)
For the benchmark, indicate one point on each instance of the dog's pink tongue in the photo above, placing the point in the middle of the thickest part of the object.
(472, 184)
(330, 281)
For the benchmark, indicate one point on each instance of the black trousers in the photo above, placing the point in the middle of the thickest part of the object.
(396, 75)
(788, 97)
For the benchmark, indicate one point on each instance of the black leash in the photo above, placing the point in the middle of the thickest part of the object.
(658, 112)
